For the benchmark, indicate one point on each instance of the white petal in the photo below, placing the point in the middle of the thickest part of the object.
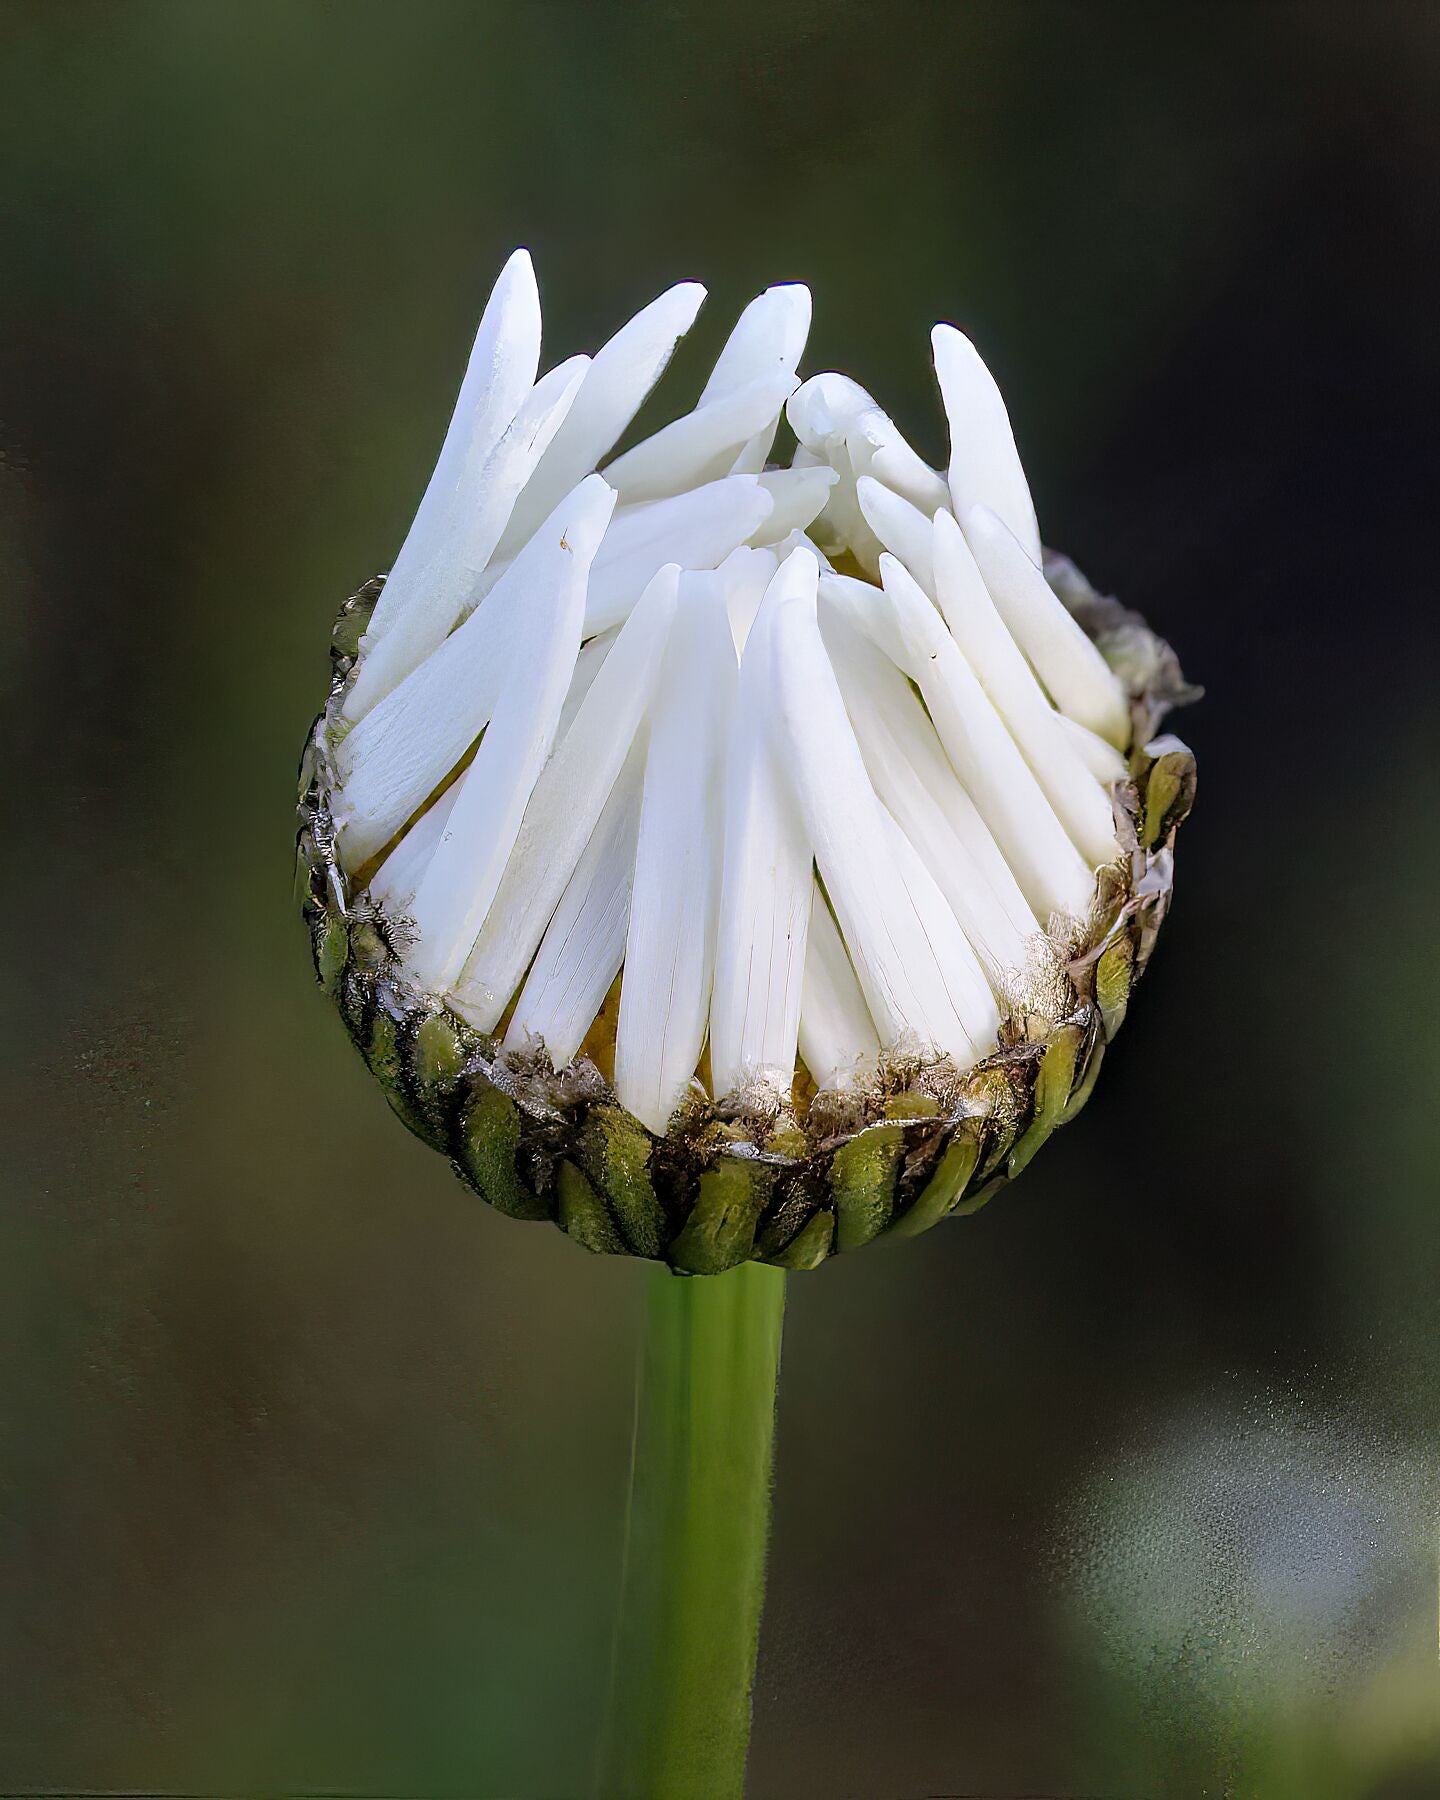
(769, 335)
(501, 370)
(889, 695)
(670, 944)
(587, 666)
(821, 412)
(584, 943)
(768, 876)
(1080, 681)
(622, 374)
(902, 528)
(697, 530)
(918, 973)
(862, 672)
(1080, 802)
(403, 749)
(1103, 760)
(480, 833)
(838, 1039)
(1051, 872)
(985, 468)
(744, 576)
(442, 590)
(567, 801)
(798, 496)
(703, 444)
(396, 880)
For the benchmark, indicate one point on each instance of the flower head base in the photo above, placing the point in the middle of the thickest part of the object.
(727, 860)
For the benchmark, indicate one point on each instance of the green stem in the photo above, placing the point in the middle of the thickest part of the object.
(693, 1579)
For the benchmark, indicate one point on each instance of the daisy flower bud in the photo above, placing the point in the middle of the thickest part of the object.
(729, 860)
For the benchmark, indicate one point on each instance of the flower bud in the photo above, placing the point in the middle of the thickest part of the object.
(724, 861)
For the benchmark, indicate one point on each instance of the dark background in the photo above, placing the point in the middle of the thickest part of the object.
(311, 1470)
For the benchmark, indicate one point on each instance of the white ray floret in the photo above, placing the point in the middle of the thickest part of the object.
(768, 873)
(703, 445)
(635, 723)
(567, 801)
(919, 975)
(797, 496)
(985, 468)
(500, 372)
(398, 878)
(838, 1039)
(864, 676)
(900, 527)
(769, 338)
(1051, 872)
(1080, 681)
(584, 943)
(621, 375)
(469, 861)
(670, 943)
(1081, 803)
(401, 751)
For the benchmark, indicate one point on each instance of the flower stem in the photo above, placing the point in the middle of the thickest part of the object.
(693, 1577)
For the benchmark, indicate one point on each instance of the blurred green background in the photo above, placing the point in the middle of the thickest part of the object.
(311, 1470)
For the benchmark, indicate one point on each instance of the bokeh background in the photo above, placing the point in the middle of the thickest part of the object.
(311, 1470)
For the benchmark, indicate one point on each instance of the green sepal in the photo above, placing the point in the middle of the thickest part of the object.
(1053, 1082)
(939, 1195)
(1169, 790)
(720, 1231)
(581, 1214)
(614, 1151)
(385, 1058)
(862, 1184)
(1114, 976)
(485, 1145)
(810, 1245)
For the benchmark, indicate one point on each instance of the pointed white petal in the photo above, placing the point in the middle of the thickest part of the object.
(985, 468)
(500, 372)
(1051, 872)
(480, 833)
(587, 666)
(894, 463)
(703, 444)
(902, 528)
(890, 697)
(744, 576)
(402, 749)
(838, 1039)
(622, 374)
(396, 880)
(918, 973)
(584, 943)
(443, 588)
(821, 412)
(1080, 681)
(567, 801)
(768, 876)
(1081, 803)
(798, 495)
(862, 672)
(670, 944)
(697, 530)
(1103, 760)
(769, 335)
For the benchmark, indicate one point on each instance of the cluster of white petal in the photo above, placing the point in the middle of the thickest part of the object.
(808, 812)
